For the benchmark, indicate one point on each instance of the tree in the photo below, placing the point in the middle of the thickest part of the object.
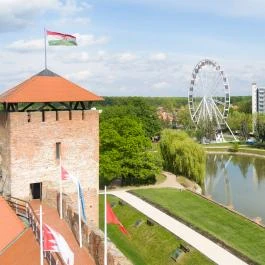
(137, 109)
(182, 155)
(242, 122)
(183, 118)
(124, 152)
(206, 129)
(260, 128)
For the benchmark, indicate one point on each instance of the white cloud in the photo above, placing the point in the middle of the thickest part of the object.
(160, 85)
(234, 8)
(76, 21)
(158, 56)
(126, 57)
(72, 7)
(80, 76)
(90, 39)
(26, 45)
(15, 14)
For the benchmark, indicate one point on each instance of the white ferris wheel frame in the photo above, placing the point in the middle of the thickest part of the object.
(208, 108)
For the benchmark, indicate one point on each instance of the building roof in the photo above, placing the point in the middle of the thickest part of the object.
(10, 225)
(24, 251)
(47, 86)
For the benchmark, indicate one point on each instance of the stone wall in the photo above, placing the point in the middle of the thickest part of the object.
(92, 237)
(28, 150)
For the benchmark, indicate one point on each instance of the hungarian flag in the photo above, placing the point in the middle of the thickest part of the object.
(56, 38)
(66, 176)
(54, 242)
(113, 219)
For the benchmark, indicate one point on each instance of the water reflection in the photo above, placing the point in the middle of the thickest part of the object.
(237, 182)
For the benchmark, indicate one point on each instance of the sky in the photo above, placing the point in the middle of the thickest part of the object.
(134, 47)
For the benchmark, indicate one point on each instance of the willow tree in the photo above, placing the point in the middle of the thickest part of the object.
(182, 155)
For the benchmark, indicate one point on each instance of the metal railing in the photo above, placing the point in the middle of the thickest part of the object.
(23, 209)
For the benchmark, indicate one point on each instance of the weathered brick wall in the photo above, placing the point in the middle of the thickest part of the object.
(92, 237)
(5, 181)
(32, 147)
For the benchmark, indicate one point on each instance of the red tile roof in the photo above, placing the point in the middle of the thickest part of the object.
(47, 86)
(24, 251)
(10, 225)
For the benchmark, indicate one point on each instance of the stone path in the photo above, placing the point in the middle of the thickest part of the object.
(51, 217)
(204, 245)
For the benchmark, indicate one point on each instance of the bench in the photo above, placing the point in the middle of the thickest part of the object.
(138, 223)
(176, 254)
(184, 248)
(150, 222)
(122, 203)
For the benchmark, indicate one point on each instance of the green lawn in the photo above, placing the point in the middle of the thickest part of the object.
(245, 149)
(146, 245)
(234, 230)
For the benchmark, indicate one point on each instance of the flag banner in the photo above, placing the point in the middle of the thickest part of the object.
(82, 200)
(113, 219)
(55, 242)
(66, 176)
(56, 38)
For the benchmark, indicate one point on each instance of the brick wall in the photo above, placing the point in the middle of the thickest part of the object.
(92, 237)
(28, 150)
(5, 181)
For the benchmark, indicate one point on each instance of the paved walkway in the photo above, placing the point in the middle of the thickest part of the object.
(51, 217)
(203, 244)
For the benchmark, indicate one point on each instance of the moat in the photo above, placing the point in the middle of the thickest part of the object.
(238, 182)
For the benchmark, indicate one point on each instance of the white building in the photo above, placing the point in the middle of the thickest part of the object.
(258, 99)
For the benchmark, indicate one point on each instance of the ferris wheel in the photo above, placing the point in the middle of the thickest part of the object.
(209, 95)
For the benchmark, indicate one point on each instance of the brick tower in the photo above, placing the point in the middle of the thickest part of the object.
(44, 119)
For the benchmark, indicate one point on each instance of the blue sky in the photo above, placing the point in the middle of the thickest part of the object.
(134, 47)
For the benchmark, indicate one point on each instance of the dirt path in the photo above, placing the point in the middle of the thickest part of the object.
(170, 182)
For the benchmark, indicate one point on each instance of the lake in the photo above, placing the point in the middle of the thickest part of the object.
(238, 182)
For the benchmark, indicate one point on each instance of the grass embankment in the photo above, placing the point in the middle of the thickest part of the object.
(146, 245)
(228, 147)
(235, 231)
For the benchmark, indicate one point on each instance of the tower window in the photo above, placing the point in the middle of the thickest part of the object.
(43, 115)
(58, 150)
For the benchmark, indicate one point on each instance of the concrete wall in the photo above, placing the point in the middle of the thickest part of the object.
(28, 149)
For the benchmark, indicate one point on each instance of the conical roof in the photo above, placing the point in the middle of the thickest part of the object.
(47, 86)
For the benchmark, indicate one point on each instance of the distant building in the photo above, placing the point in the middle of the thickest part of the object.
(258, 99)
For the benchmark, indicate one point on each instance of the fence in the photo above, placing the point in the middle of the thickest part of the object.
(23, 209)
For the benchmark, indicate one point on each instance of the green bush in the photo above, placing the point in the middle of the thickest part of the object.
(235, 147)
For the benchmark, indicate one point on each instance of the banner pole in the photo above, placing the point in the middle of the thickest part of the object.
(79, 214)
(61, 190)
(41, 236)
(45, 49)
(105, 229)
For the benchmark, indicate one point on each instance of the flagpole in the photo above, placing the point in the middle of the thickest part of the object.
(41, 236)
(45, 48)
(105, 229)
(61, 190)
(79, 214)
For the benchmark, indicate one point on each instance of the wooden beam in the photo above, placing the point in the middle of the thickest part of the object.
(27, 106)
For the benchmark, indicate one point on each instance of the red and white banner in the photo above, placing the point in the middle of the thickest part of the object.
(54, 242)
